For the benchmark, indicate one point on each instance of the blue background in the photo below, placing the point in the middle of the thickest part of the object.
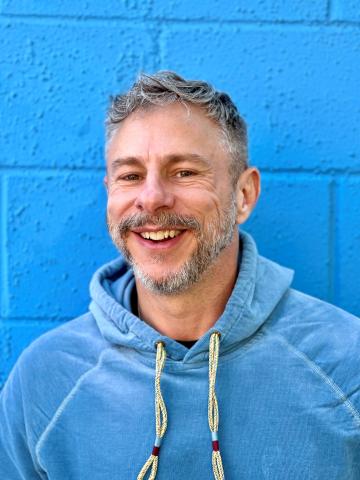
(291, 67)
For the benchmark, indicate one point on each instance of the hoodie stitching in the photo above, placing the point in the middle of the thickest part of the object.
(241, 310)
(225, 357)
(320, 372)
(61, 408)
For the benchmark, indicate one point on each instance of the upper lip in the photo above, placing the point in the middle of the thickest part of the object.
(155, 228)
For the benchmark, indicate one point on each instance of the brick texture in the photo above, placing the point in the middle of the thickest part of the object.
(56, 239)
(292, 68)
(80, 8)
(14, 338)
(55, 82)
(241, 10)
(346, 10)
(302, 203)
(295, 110)
(348, 244)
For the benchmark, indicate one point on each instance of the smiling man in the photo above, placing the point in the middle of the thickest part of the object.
(174, 199)
(193, 341)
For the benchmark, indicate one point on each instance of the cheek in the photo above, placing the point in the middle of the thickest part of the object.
(200, 200)
(210, 205)
(118, 204)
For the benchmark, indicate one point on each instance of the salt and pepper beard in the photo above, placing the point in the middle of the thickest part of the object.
(212, 239)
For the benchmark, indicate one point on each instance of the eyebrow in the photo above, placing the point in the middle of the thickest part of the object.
(172, 159)
(126, 161)
(192, 157)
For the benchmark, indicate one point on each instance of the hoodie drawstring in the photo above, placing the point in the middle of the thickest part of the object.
(161, 414)
(213, 410)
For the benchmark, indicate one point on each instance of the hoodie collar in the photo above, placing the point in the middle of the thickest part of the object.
(260, 286)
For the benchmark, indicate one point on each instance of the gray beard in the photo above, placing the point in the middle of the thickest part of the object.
(211, 242)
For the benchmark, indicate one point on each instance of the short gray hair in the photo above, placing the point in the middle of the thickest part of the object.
(165, 87)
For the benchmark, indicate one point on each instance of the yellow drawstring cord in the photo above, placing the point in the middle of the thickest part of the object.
(160, 416)
(213, 410)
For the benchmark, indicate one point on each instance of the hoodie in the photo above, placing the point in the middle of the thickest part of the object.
(277, 399)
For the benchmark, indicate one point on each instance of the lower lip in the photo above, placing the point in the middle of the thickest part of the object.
(162, 244)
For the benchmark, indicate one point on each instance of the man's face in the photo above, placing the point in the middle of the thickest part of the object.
(171, 203)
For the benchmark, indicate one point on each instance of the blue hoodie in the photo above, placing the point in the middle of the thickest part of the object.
(79, 403)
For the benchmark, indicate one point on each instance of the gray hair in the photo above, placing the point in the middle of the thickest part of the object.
(166, 87)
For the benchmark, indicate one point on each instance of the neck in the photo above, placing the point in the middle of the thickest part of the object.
(190, 314)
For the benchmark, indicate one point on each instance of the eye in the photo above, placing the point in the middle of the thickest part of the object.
(131, 177)
(184, 173)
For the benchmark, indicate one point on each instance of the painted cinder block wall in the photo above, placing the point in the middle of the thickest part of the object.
(292, 68)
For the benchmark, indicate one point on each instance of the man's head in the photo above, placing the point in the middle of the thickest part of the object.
(174, 193)
(166, 87)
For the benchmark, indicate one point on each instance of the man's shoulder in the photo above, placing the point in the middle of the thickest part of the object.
(306, 311)
(57, 359)
(77, 340)
(306, 320)
(321, 336)
(47, 371)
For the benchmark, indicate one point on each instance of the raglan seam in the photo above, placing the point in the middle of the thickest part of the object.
(323, 375)
(61, 408)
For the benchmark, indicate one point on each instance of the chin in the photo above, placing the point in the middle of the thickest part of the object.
(165, 284)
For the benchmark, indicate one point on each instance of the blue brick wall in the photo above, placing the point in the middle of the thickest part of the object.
(293, 69)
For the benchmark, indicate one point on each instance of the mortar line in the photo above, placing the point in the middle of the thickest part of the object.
(39, 169)
(4, 240)
(337, 241)
(196, 22)
(49, 170)
(155, 34)
(35, 321)
(160, 50)
(328, 10)
(309, 171)
(331, 239)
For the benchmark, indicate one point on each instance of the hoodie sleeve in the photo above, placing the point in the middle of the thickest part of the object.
(17, 457)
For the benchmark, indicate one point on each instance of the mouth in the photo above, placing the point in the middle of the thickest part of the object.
(158, 238)
(160, 235)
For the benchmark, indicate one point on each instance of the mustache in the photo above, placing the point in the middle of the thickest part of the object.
(164, 219)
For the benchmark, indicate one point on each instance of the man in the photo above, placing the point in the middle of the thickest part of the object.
(252, 378)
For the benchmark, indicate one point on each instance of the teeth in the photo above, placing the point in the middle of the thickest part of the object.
(160, 235)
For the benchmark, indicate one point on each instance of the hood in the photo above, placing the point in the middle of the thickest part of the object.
(260, 286)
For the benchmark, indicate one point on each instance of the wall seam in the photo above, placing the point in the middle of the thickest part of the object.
(33, 321)
(160, 46)
(4, 239)
(51, 319)
(329, 10)
(49, 170)
(157, 46)
(194, 22)
(337, 240)
(21, 170)
(331, 238)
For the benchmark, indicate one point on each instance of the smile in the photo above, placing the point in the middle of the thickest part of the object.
(160, 234)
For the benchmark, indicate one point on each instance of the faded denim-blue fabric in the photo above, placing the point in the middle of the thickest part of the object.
(79, 403)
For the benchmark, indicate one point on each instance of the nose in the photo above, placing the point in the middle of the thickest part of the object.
(154, 195)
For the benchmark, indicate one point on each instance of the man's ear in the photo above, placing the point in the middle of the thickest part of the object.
(106, 182)
(247, 193)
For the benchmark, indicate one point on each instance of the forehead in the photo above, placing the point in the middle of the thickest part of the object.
(167, 130)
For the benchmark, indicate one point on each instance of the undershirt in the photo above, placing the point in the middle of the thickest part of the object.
(134, 310)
